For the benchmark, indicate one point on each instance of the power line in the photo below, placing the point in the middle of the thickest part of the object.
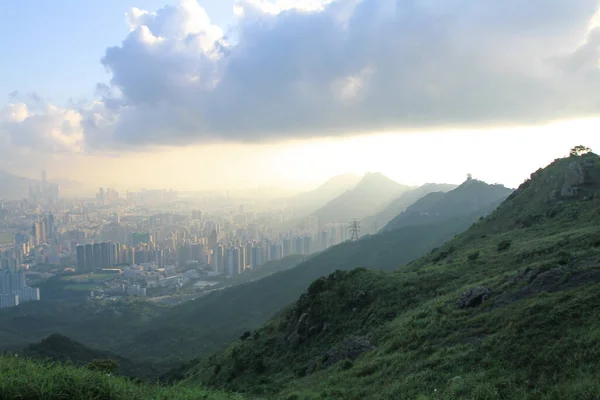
(355, 230)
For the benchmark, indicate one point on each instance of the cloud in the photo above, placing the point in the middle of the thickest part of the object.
(319, 68)
(32, 124)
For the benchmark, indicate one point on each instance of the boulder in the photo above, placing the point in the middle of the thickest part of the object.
(348, 349)
(548, 281)
(474, 297)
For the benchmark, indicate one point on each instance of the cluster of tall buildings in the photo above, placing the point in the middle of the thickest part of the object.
(234, 259)
(45, 193)
(107, 196)
(44, 229)
(14, 289)
(102, 255)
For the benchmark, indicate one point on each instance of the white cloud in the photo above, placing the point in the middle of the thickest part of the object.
(310, 68)
(42, 127)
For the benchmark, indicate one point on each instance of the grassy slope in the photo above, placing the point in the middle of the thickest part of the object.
(534, 338)
(471, 195)
(88, 322)
(199, 327)
(28, 380)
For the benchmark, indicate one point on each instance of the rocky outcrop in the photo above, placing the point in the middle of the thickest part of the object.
(474, 297)
(303, 329)
(553, 280)
(348, 349)
(574, 178)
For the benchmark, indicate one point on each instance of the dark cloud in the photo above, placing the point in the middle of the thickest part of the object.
(350, 67)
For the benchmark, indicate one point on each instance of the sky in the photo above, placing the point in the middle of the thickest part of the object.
(217, 94)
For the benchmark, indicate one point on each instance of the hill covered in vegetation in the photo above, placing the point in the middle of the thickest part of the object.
(506, 310)
(472, 196)
(61, 349)
(215, 320)
(33, 380)
(376, 222)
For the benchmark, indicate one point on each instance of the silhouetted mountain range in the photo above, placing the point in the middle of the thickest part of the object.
(370, 195)
(472, 196)
(306, 203)
(374, 223)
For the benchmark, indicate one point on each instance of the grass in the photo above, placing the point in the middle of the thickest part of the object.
(28, 380)
(533, 338)
(82, 287)
(93, 277)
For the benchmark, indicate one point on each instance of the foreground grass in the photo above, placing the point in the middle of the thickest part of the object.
(27, 380)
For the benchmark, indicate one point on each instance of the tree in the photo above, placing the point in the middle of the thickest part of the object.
(578, 151)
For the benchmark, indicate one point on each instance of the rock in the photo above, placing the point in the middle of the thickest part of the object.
(547, 281)
(574, 178)
(294, 340)
(302, 318)
(350, 348)
(474, 297)
(525, 275)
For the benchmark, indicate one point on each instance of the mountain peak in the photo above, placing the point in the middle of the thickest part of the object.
(566, 178)
(376, 178)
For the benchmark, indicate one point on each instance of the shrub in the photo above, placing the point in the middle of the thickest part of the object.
(107, 366)
(504, 245)
(473, 256)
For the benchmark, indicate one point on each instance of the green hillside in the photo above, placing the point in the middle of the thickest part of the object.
(27, 380)
(61, 349)
(376, 222)
(213, 321)
(506, 310)
(471, 196)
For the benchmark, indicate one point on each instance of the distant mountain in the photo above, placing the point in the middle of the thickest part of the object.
(372, 193)
(374, 223)
(13, 187)
(60, 348)
(307, 202)
(471, 197)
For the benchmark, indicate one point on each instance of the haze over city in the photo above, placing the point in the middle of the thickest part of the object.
(299, 199)
(197, 95)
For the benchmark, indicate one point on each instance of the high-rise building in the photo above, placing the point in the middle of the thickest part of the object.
(257, 259)
(112, 254)
(81, 266)
(105, 251)
(219, 258)
(307, 245)
(12, 280)
(287, 246)
(275, 252)
(28, 294)
(97, 255)
(298, 245)
(89, 257)
(9, 300)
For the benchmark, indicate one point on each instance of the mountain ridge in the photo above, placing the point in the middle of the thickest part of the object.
(471, 195)
(490, 314)
(368, 197)
(374, 223)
